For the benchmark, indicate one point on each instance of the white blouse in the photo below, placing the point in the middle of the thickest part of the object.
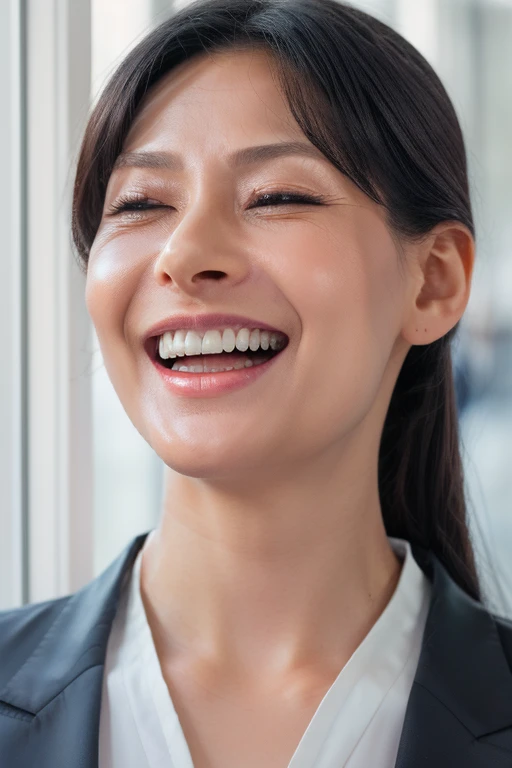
(357, 724)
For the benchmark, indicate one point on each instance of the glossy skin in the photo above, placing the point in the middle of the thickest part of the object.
(270, 562)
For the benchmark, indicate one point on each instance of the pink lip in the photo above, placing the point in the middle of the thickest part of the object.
(205, 323)
(211, 384)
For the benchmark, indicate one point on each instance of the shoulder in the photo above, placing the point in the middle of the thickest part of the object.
(504, 627)
(22, 630)
(46, 646)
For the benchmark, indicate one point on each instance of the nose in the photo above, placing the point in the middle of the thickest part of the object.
(202, 251)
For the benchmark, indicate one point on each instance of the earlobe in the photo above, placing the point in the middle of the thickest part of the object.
(442, 283)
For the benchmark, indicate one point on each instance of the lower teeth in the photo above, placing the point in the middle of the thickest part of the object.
(202, 369)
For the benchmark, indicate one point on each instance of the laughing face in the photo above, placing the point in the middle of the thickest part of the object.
(279, 241)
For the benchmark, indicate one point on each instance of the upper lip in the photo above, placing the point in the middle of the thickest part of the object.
(205, 323)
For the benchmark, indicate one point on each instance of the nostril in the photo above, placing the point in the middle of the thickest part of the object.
(211, 273)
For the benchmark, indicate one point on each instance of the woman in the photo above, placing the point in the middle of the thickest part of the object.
(272, 210)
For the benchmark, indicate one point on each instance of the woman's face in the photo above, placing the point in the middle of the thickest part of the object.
(327, 275)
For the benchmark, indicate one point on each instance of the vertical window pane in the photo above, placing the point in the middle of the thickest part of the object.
(11, 310)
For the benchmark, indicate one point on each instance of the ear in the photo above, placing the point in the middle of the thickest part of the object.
(440, 273)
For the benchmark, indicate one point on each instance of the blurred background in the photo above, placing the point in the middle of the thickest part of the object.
(78, 480)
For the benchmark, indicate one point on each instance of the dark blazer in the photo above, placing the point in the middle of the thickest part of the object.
(459, 713)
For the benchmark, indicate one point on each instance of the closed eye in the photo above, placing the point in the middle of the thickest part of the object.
(287, 198)
(137, 204)
(269, 199)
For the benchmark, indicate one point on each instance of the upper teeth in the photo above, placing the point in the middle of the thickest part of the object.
(181, 343)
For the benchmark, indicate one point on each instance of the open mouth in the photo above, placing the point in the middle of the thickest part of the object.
(217, 362)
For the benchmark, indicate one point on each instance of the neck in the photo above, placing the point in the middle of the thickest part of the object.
(290, 578)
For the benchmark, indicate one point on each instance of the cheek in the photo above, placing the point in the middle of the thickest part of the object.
(110, 285)
(114, 272)
(345, 284)
(113, 277)
(344, 280)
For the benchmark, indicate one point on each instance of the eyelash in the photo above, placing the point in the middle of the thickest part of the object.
(141, 204)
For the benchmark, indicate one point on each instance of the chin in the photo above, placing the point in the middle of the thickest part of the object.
(206, 461)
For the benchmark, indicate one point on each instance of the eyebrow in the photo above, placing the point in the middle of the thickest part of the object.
(172, 161)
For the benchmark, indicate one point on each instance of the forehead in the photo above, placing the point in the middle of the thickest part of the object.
(224, 96)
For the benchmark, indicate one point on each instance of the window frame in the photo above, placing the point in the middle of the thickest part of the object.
(59, 462)
(13, 582)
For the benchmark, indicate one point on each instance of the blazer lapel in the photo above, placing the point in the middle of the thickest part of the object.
(459, 711)
(50, 707)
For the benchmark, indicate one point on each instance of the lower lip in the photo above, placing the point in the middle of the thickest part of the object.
(212, 384)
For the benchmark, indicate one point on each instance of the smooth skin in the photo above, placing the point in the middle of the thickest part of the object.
(270, 563)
